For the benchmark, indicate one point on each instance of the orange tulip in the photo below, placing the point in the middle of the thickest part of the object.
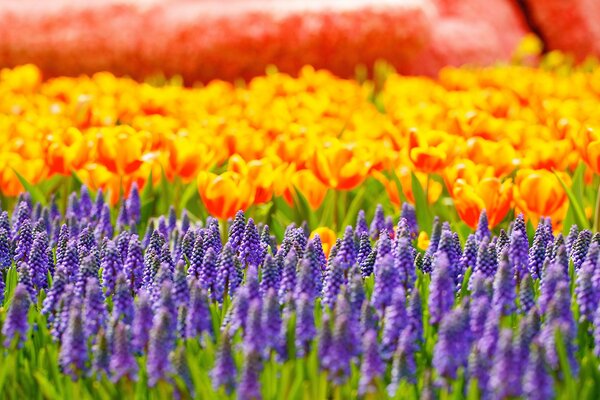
(33, 170)
(338, 166)
(187, 157)
(468, 171)
(259, 173)
(538, 193)
(327, 237)
(501, 155)
(225, 194)
(309, 186)
(68, 151)
(490, 194)
(431, 151)
(587, 142)
(405, 178)
(120, 151)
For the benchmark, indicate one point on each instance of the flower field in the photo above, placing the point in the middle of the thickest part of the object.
(302, 236)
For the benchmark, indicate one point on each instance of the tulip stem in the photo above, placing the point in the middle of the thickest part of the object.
(597, 211)
(427, 189)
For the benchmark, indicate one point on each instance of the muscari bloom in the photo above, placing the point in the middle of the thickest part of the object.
(161, 343)
(504, 287)
(372, 366)
(123, 305)
(73, 353)
(142, 321)
(394, 320)
(451, 351)
(441, 296)
(16, 324)
(505, 377)
(305, 324)
(198, 316)
(122, 361)
(580, 248)
(404, 364)
(361, 227)
(224, 372)
(334, 280)
(537, 381)
(386, 279)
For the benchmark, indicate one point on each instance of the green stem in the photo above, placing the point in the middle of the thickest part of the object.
(597, 211)
(427, 189)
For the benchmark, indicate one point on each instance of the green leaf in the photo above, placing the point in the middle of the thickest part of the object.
(352, 210)
(575, 203)
(424, 217)
(46, 386)
(34, 191)
(148, 192)
(190, 191)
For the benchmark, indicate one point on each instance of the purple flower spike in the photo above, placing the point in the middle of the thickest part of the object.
(254, 339)
(5, 249)
(111, 265)
(441, 297)
(123, 306)
(451, 351)
(324, 340)
(504, 287)
(288, 275)
(198, 316)
(537, 382)
(122, 361)
(249, 386)
(393, 321)
(580, 248)
(378, 223)
(386, 279)
(334, 280)
(94, 308)
(305, 324)
(227, 280)
(134, 263)
(16, 325)
(404, 363)
(571, 238)
(162, 342)
(100, 355)
(250, 248)
(313, 256)
(73, 354)
(505, 379)
(142, 321)
(340, 355)
(446, 246)
(272, 325)
(348, 251)
(362, 228)
(24, 241)
(434, 238)
(409, 214)
(236, 230)
(271, 276)
(372, 366)
(181, 291)
(483, 230)
(405, 263)
(224, 373)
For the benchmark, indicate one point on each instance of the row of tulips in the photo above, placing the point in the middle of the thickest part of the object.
(499, 138)
(224, 310)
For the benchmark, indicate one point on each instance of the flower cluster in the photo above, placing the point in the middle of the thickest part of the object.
(500, 314)
(493, 138)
